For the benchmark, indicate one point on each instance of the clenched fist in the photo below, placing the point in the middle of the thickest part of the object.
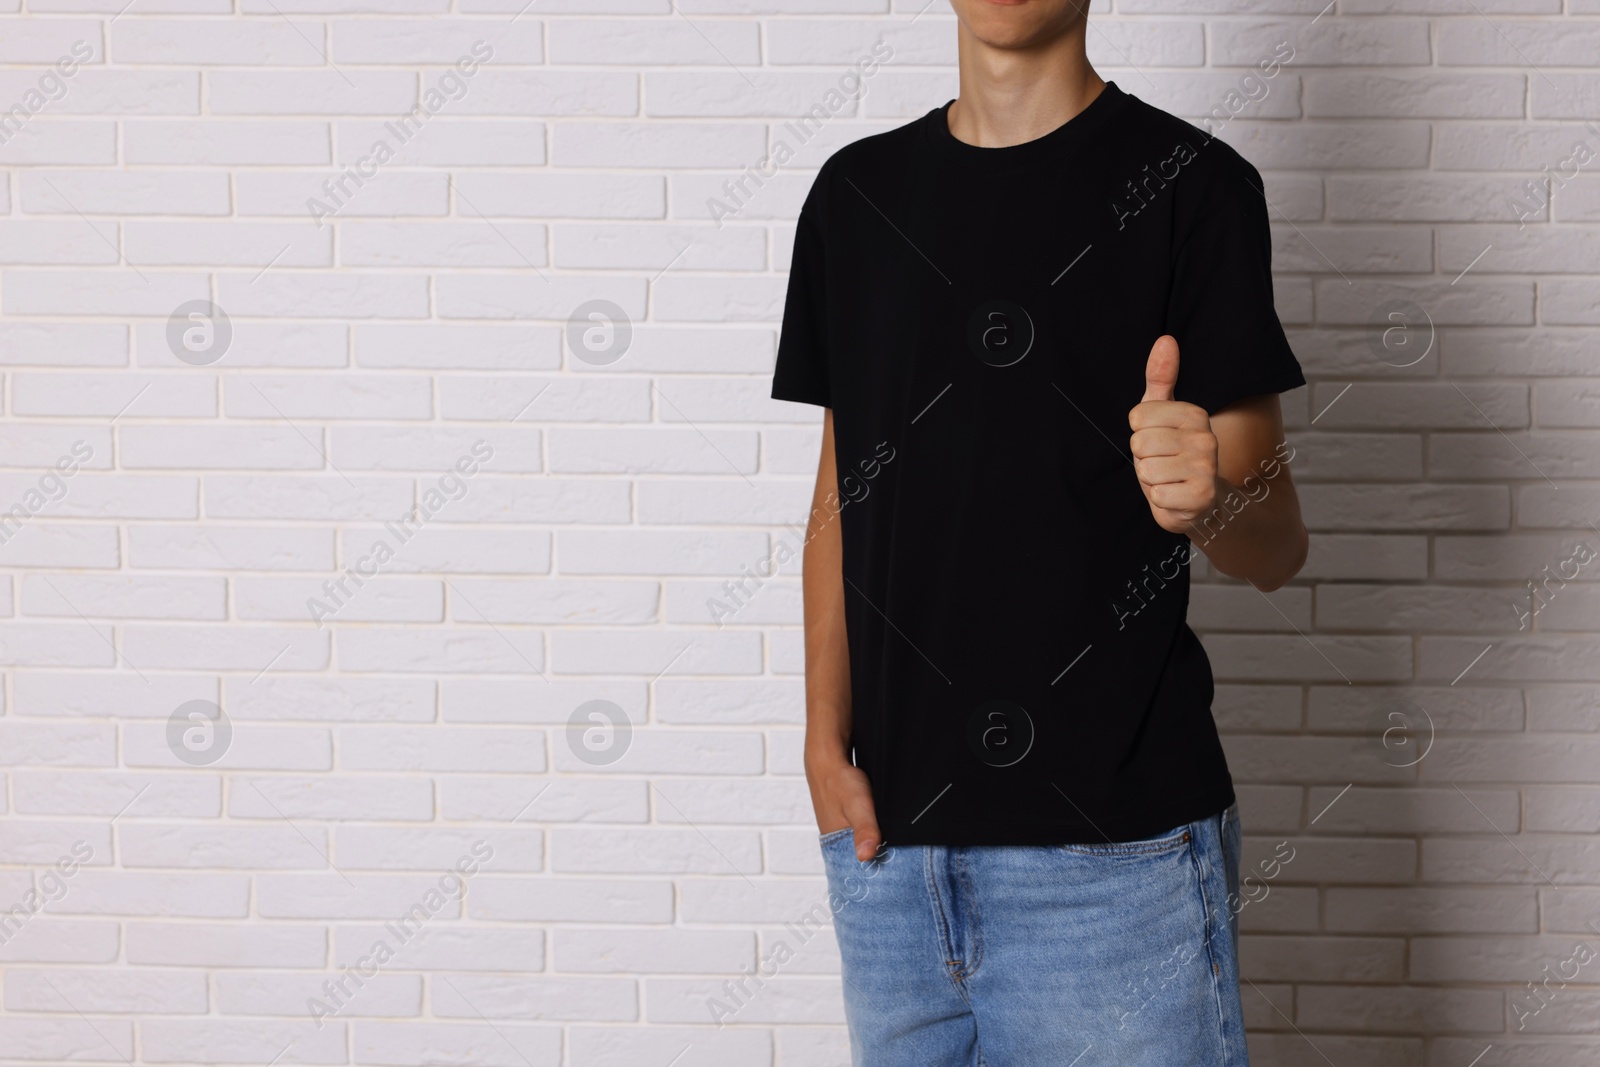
(1174, 450)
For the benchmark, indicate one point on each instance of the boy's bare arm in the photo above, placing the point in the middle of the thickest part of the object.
(1265, 541)
(1223, 479)
(840, 793)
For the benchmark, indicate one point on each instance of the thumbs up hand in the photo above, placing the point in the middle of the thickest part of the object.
(1174, 450)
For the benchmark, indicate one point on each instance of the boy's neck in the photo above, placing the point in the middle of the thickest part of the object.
(1011, 96)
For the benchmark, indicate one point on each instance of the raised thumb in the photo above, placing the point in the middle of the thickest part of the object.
(1161, 371)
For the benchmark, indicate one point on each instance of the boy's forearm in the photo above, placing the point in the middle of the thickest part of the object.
(822, 585)
(1248, 521)
(1256, 535)
(827, 656)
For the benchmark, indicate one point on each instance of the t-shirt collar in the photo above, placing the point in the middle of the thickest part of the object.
(1069, 135)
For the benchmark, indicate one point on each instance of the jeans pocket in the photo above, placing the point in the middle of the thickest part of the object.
(1170, 841)
(835, 835)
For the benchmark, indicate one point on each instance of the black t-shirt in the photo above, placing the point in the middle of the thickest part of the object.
(979, 320)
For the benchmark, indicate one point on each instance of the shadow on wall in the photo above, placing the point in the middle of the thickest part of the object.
(1415, 714)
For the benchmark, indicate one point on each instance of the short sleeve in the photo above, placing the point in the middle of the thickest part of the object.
(1230, 342)
(801, 373)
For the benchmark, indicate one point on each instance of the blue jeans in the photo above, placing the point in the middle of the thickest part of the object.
(1061, 955)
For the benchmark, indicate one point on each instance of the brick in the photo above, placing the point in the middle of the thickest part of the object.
(48, 40)
(96, 192)
(454, 948)
(190, 894)
(32, 1040)
(327, 797)
(1398, 1010)
(471, 996)
(493, 1045)
(212, 547)
(136, 795)
(325, 196)
(130, 598)
(1324, 959)
(476, 243)
(224, 143)
(553, 601)
(1493, 859)
(116, 92)
(1365, 95)
(45, 940)
(506, 799)
(1432, 910)
(58, 344)
(1333, 42)
(433, 41)
(584, 900)
(790, 999)
(382, 995)
(144, 991)
(624, 951)
(564, 195)
(458, 347)
(647, 42)
(464, 650)
(232, 92)
(439, 748)
(240, 1041)
(594, 1046)
(42, 141)
(448, 142)
(226, 945)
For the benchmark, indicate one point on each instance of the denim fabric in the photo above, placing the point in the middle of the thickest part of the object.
(1043, 956)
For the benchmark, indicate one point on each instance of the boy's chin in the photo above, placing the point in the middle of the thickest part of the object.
(1015, 24)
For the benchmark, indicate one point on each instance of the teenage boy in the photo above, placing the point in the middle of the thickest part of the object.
(1040, 321)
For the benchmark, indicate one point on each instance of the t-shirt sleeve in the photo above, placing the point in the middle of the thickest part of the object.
(1230, 342)
(801, 373)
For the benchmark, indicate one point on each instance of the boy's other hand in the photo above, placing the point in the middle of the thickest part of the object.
(842, 797)
(1174, 450)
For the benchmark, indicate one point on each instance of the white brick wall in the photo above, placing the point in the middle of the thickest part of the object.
(188, 911)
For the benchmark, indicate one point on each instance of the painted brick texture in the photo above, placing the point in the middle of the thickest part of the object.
(387, 469)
